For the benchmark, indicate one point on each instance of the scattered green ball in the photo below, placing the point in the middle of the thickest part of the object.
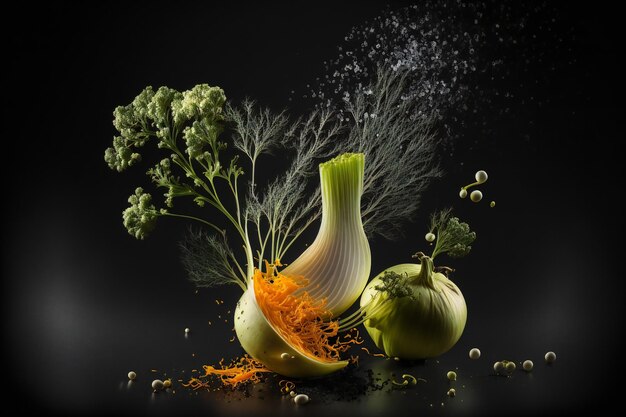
(481, 177)
(132, 375)
(157, 385)
(451, 375)
(550, 357)
(463, 193)
(510, 367)
(474, 353)
(498, 367)
(528, 365)
(451, 392)
(476, 196)
(492, 204)
(430, 237)
(301, 399)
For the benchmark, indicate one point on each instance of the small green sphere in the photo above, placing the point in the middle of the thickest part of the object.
(157, 385)
(550, 357)
(510, 367)
(528, 365)
(301, 399)
(474, 353)
(481, 177)
(476, 196)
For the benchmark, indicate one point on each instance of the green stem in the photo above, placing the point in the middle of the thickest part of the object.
(365, 315)
(253, 171)
(226, 213)
(184, 216)
(272, 253)
(281, 243)
(249, 254)
(236, 194)
(242, 274)
(425, 276)
(295, 237)
(261, 242)
(356, 313)
(267, 236)
(236, 279)
(186, 164)
(242, 286)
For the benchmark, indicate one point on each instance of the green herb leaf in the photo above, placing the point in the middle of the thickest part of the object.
(453, 236)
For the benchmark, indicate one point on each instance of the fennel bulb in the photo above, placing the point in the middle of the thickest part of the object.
(412, 311)
(423, 325)
(335, 267)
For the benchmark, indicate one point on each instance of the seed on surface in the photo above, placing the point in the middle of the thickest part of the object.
(474, 353)
(550, 357)
(510, 366)
(157, 385)
(463, 193)
(528, 365)
(301, 399)
(409, 379)
(167, 383)
(451, 392)
(292, 393)
(498, 366)
(430, 237)
(492, 204)
(284, 355)
(451, 375)
(187, 329)
(476, 196)
(132, 375)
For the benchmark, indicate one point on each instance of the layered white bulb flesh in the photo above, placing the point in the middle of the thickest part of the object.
(337, 264)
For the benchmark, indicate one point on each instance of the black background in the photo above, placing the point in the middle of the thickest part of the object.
(84, 303)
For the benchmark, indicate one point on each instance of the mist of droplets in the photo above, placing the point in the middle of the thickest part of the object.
(465, 61)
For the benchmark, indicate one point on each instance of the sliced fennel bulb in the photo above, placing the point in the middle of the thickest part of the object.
(261, 340)
(336, 267)
(337, 264)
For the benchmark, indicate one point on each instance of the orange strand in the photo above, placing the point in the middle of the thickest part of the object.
(297, 317)
(378, 355)
(245, 369)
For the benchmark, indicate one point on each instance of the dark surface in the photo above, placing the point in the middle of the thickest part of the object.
(83, 303)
